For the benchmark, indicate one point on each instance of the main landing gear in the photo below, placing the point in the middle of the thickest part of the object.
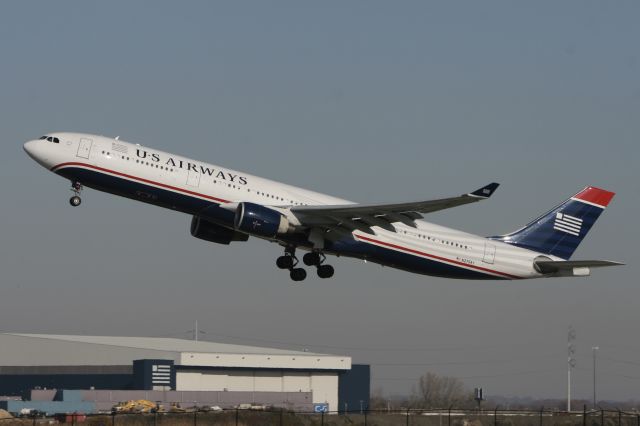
(76, 188)
(290, 261)
(315, 258)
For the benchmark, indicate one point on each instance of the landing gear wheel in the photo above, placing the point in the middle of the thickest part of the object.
(312, 258)
(76, 188)
(284, 262)
(298, 274)
(325, 271)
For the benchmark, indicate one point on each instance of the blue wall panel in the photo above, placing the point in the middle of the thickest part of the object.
(354, 388)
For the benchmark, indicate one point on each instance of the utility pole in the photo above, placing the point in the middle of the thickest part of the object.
(593, 350)
(479, 398)
(571, 362)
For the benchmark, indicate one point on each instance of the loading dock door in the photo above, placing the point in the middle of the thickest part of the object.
(489, 253)
(84, 148)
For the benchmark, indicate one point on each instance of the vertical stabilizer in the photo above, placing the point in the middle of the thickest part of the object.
(560, 231)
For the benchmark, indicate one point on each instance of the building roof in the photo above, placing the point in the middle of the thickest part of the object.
(48, 349)
(167, 344)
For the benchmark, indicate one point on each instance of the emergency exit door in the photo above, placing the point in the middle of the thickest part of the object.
(193, 179)
(489, 253)
(84, 149)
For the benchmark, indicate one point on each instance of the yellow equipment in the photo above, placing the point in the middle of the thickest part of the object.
(137, 406)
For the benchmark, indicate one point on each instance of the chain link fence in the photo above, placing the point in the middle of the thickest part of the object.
(407, 417)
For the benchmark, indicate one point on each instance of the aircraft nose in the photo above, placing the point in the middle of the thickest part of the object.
(30, 148)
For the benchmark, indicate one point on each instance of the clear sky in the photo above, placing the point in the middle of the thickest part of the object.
(369, 101)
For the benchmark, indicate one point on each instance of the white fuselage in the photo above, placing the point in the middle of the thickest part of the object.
(189, 185)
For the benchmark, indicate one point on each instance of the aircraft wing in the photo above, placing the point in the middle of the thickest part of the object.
(364, 216)
(570, 267)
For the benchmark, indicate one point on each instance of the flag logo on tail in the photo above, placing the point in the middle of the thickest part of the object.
(568, 224)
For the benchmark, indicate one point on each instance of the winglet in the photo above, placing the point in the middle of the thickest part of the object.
(486, 191)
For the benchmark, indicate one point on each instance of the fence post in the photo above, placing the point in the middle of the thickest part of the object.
(281, 410)
(113, 418)
(195, 417)
(495, 416)
(365, 417)
(541, 413)
(236, 417)
(322, 418)
(601, 417)
(407, 416)
(584, 415)
(449, 417)
(619, 417)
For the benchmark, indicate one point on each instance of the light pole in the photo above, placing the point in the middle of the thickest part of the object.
(593, 350)
(571, 362)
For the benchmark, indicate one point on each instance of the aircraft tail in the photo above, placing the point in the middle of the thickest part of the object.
(559, 231)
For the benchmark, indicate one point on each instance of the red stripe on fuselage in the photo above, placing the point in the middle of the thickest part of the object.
(164, 185)
(186, 191)
(433, 256)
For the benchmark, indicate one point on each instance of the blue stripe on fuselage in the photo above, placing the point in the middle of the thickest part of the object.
(147, 193)
(405, 261)
(195, 206)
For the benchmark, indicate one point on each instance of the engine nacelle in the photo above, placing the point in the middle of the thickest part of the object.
(209, 231)
(260, 220)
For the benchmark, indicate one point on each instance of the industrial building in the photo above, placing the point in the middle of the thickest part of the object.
(191, 372)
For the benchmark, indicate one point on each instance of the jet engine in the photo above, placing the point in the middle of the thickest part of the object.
(209, 231)
(260, 220)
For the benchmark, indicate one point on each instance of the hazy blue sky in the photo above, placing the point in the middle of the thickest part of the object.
(369, 101)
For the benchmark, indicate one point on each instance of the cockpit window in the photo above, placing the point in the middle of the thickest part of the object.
(51, 139)
(42, 137)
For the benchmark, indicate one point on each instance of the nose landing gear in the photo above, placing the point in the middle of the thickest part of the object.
(289, 261)
(76, 188)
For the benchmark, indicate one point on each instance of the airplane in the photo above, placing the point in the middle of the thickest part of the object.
(228, 205)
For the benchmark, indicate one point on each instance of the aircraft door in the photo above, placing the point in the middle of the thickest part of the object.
(193, 179)
(84, 149)
(489, 253)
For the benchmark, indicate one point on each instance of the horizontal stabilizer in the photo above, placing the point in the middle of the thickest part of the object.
(571, 267)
